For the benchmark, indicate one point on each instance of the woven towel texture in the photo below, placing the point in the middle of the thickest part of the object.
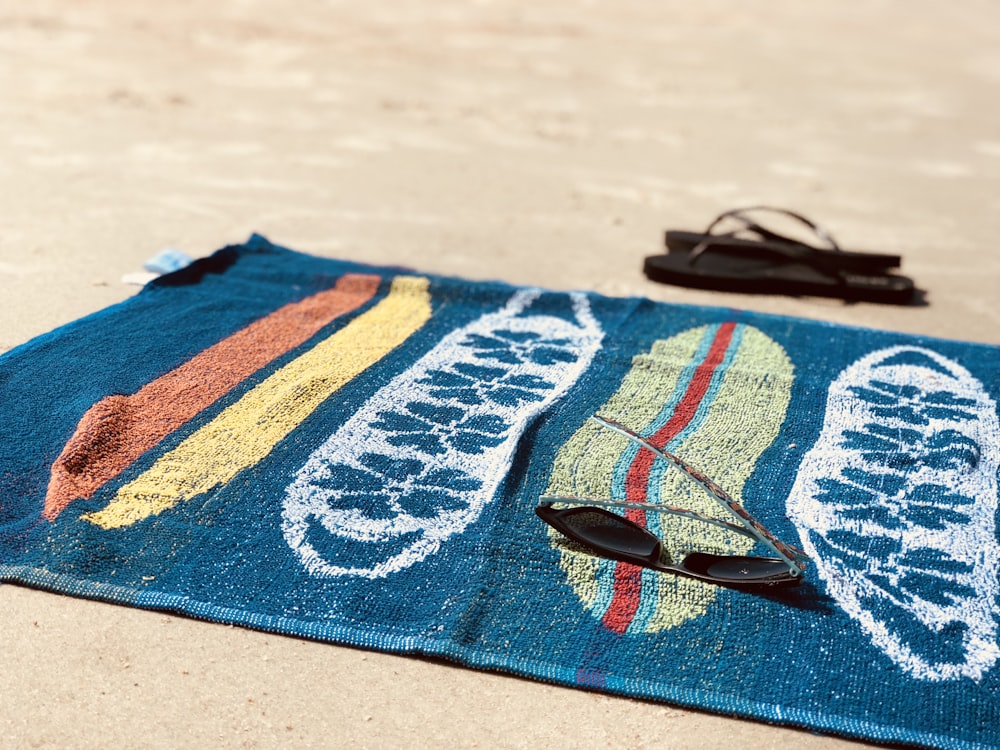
(350, 453)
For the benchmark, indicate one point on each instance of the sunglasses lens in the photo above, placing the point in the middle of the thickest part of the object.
(736, 570)
(609, 532)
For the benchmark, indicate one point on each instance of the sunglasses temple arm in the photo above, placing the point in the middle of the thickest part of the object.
(683, 513)
(790, 555)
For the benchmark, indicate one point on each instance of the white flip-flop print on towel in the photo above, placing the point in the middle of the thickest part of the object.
(422, 458)
(896, 502)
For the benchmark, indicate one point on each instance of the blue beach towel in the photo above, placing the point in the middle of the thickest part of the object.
(349, 453)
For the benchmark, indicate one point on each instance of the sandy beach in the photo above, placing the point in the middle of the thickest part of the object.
(549, 144)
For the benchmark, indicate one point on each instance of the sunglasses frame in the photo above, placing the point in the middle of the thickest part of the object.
(787, 568)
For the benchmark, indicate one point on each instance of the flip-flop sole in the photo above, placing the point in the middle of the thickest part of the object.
(858, 261)
(760, 272)
(896, 504)
(424, 456)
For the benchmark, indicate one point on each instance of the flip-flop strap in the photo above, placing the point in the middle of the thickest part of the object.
(805, 253)
(764, 233)
(750, 225)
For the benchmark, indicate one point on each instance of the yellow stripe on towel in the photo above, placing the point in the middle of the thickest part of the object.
(247, 431)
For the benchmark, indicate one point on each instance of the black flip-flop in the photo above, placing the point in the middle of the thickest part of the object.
(770, 263)
(832, 254)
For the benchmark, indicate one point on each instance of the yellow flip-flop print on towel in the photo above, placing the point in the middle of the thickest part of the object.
(244, 433)
(730, 423)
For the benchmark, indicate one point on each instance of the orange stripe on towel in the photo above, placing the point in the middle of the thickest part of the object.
(118, 429)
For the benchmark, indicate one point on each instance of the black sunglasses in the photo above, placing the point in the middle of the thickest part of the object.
(610, 535)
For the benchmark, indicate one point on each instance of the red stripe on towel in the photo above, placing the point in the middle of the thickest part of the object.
(628, 577)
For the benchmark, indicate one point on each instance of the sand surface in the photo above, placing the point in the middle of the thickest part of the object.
(544, 143)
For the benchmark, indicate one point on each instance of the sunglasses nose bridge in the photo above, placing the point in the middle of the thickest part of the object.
(656, 554)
